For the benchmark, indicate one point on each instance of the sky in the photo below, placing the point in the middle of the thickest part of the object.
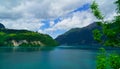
(53, 17)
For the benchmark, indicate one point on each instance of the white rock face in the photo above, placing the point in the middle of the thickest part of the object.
(15, 43)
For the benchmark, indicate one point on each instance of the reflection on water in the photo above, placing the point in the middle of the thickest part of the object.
(25, 49)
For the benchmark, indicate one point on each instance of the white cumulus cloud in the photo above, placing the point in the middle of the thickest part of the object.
(27, 14)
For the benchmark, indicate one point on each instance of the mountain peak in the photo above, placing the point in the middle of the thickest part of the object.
(2, 26)
(79, 36)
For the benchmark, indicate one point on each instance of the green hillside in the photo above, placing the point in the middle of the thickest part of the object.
(10, 37)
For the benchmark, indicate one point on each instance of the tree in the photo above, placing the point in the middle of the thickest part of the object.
(109, 36)
(107, 61)
(110, 29)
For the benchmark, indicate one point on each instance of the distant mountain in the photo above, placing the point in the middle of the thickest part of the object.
(2, 26)
(12, 37)
(79, 36)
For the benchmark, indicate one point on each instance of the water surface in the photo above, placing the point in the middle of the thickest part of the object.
(62, 57)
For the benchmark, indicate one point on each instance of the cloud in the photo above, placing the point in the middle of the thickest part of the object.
(29, 14)
(31, 24)
(19, 14)
(83, 18)
(108, 8)
(78, 19)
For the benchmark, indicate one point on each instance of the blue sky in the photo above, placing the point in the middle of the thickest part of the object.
(61, 18)
(67, 15)
(53, 17)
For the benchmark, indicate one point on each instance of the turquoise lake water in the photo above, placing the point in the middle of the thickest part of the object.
(58, 58)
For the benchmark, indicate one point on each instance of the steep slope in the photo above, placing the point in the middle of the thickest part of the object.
(79, 36)
(12, 37)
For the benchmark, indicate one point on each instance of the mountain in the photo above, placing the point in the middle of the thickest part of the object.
(2, 26)
(12, 37)
(79, 36)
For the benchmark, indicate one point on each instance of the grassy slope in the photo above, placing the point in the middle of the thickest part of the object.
(7, 35)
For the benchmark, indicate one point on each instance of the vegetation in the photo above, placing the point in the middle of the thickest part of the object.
(111, 34)
(108, 61)
(110, 29)
(102, 59)
(30, 38)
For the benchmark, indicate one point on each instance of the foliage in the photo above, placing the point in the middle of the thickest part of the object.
(2, 39)
(7, 35)
(111, 33)
(101, 59)
(108, 61)
(97, 35)
(96, 11)
(110, 29)
(118, 6)
(114, 60)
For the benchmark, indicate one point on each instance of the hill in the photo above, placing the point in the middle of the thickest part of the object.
(79, 36)
(12, 37)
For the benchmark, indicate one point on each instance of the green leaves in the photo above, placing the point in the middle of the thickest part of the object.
(2, 38)
(111, 33)
(101, 59)
(96, 11)
(107, 61)
(97, 35)
(110, 29)
(114, 60)
(118, 6)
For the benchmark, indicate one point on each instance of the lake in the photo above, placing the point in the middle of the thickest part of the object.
(62, 57)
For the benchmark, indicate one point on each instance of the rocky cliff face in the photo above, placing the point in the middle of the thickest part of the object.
(25, 42)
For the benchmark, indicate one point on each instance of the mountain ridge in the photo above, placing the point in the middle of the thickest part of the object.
(79, 36)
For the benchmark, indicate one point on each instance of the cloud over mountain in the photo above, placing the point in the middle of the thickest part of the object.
(56, 14)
